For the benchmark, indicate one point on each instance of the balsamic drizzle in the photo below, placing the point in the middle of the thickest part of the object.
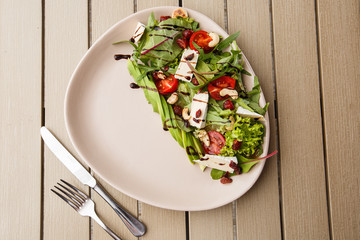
(118, 57)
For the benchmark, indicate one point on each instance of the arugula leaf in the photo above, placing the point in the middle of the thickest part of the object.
(227, 41)
(151, 20)
(216, 174)
(150, 90)
(163, 53)
(179, 24)
(251, 103)
(214, 118)
(254, 97)
(185, 94)
(245, 167)
(243, 103)
(255, 92)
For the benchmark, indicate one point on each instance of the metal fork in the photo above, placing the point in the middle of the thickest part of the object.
(81, 203)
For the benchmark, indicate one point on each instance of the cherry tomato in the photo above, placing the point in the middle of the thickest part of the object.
(163, 18)
(217, 142)
(202, 39)
(215, 92)
(167, 85)
(217, 85)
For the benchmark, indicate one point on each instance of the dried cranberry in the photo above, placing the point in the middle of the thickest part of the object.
(228, 105)
(163, 18)
(198, 113)
(190, 57)
(196, 120)
(182, 43)
(236, 167)
(225, 179)
(238, 171)
(187, 34)
(177, 110)
(236, 145)
(233, 165)
(166, 68)
(194, 81)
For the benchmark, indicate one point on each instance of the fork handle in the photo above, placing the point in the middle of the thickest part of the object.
(106, 228)
(136, 227)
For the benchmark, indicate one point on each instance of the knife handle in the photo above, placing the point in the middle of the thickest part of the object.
(136, 227)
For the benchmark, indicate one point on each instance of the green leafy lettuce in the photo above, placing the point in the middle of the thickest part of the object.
(160, 39)
(247, 131)
(252, 101)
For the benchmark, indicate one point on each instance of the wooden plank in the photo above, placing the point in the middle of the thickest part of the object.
(211, 8)
(104, 14)
(20, 107)
(252, 19)
(218, 220)
(161, 223)
(339, 38)
(143, 4)
(304, 202)
(66, 41)
(212, 224)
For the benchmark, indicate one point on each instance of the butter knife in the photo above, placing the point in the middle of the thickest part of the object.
(136, 227)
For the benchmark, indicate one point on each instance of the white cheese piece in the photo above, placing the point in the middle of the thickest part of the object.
(139, 31)
(199, 102)
(217, 162)
(249, 114)
(184, 72)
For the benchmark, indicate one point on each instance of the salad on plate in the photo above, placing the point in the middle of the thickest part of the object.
(193, 79)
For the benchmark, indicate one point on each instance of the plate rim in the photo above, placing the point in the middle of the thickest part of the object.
(260, 165)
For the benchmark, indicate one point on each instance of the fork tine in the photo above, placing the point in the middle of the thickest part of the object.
(75, 189)
(78, 196)
(65, 199)
(76, 202)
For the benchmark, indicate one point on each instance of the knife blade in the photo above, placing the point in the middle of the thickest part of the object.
(67, 159)
(136, 227)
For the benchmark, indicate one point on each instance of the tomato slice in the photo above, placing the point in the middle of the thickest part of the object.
(217, 85)
(202, 39)
(215, 92)
(167, 85)
(217, 142)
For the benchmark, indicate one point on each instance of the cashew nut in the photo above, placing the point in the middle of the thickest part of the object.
(161, 75)
(203, 136)
(185, 114)
(215, 39)
(179, 12)
(173, 98)
(231, 92)
(229, 128)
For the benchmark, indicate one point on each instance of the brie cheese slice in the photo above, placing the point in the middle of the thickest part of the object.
(217, 162)
(139, 31)
(247, 113)
(184, 72)
(198, 111)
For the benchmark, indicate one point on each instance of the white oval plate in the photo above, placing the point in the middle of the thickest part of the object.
(115, 131)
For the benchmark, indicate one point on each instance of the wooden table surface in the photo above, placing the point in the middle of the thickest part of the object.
(306, 54)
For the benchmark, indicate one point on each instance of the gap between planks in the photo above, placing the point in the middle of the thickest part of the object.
(277, 131)
(322, 118)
